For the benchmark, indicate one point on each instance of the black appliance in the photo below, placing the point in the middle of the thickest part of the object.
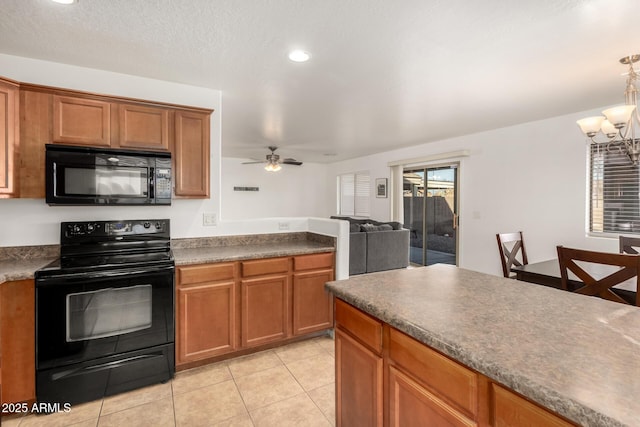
(105, 311)
(96, 176)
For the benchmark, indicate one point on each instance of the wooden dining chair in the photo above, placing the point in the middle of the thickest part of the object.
(629, 245)
(629, 266)
(511, 247)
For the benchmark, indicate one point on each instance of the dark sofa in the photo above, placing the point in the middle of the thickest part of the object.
(376, 246)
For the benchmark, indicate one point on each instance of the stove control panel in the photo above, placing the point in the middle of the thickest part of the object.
(71, 230)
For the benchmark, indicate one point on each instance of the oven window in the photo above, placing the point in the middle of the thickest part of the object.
(108, 312)
(106, 181)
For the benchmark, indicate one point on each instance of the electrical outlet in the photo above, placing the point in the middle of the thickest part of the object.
(209, 219)
(283, 225)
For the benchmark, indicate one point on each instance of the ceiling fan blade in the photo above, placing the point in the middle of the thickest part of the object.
(291, 162)
(253, 163)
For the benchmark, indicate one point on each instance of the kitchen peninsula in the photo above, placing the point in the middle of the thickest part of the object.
(466, 348)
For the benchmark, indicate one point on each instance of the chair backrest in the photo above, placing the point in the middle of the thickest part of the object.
(629, 245)
(628, 268)
(510, 246)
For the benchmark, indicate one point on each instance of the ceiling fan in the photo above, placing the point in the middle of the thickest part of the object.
(273, 161)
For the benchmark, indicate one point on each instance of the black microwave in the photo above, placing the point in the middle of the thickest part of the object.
(96, 176)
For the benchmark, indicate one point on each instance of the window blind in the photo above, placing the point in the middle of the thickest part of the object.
(355, 190)
(614, 191)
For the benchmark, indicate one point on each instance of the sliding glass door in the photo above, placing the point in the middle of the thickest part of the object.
(431, 213)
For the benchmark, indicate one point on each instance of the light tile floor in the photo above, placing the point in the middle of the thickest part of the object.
(291, 385)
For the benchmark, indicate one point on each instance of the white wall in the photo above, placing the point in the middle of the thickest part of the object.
(294, 191)
(530, 177)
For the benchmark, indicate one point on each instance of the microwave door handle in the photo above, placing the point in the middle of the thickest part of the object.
(152, 176)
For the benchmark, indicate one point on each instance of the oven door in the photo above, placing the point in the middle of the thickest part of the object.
(83, 317)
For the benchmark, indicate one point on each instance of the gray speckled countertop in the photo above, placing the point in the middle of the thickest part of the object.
(26, 260)
(576, 355)
(184, 256)
(21, 269)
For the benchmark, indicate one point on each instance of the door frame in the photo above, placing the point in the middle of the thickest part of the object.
(439, 165)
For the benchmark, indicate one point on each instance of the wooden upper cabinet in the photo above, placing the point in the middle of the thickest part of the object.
(191, 154)
(9, 137)
(44, 115)
(143, 127)
(81, 121)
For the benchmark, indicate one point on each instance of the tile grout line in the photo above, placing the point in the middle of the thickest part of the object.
(173, 402)
(303, 389)
(233, 377)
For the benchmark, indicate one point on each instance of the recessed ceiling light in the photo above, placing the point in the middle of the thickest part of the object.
(299, 56)
(64, 1)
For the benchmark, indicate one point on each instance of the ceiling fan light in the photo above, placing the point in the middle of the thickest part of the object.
(272, 167)
(590, 125)
(620, 115)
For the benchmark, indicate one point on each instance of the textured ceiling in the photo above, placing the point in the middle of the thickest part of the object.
(383, 74)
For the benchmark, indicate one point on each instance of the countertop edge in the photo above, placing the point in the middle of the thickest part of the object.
(214, 257)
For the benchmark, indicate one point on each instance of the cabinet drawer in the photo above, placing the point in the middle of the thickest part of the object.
(366, 328)
(509, 409)
(455, 383)
(409, 401)
(260, 267)
(206, 273)
(313, 262)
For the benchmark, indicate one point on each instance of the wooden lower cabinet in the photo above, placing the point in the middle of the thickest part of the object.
(410, 404)
(17, 341)
(206, 321)
(509, 409)
(265, 310)
(228, 307)
(420, 387)
(359, 384)
(312, 304)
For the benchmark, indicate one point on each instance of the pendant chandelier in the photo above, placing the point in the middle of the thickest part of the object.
(618, 125)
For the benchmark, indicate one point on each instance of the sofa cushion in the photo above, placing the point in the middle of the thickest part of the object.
(375, 227)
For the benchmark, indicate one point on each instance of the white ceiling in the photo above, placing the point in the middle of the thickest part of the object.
(383, 73)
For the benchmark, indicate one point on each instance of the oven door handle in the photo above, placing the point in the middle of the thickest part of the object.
(103, 366)
(100, 274)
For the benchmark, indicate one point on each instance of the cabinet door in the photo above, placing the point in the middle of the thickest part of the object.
(358, 383)
(17, 335)
(191, 154)
(312, 303)
(206, 320)
(143, 127)
(9, 136)
(265, 308)
(81, 121)
(410, 404)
